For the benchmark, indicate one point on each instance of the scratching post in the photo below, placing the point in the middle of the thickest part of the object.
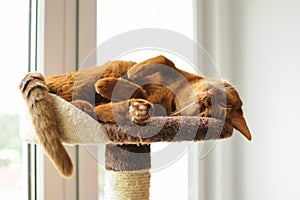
(127, 156)
(127, 175)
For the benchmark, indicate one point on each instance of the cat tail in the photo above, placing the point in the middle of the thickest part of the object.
(35, 92)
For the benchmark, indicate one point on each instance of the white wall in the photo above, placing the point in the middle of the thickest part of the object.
(263, 38)
(271, 51)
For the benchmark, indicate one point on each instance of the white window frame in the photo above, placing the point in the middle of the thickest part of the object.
(63, 32)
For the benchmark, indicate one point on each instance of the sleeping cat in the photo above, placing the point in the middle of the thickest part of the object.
(124, 92)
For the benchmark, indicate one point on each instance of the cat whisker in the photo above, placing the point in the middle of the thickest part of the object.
(183, 109)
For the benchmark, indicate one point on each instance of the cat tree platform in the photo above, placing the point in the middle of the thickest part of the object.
(127, 156)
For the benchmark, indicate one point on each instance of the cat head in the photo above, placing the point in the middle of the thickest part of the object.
(219, 99)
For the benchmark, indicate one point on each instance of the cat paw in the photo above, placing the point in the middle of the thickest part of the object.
(140, 111)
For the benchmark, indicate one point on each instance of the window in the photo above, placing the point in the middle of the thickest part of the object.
(14, 62)
(114, 18)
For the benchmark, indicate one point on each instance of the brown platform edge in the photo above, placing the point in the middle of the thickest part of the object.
(169, 129)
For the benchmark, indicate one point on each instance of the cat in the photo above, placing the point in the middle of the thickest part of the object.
(124, 92)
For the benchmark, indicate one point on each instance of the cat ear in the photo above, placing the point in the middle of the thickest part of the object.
(160, 65)
(239, 123)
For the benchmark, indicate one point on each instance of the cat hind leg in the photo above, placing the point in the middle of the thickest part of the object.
(118, 89)
(157, 65)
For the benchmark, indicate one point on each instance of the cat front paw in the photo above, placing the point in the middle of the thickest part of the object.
(140, 111)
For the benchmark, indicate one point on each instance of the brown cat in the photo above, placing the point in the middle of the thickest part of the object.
(122, 91)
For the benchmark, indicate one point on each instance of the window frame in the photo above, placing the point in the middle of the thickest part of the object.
(60, 37)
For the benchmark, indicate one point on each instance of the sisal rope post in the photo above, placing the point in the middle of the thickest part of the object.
(127, 185)
(127, 175)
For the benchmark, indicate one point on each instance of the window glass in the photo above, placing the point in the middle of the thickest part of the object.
(117, 17)
(13, 51)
